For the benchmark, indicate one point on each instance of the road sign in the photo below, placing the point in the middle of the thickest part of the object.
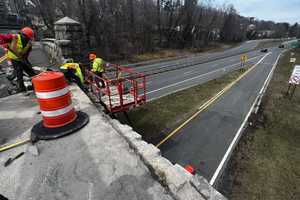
(293, 60)
(244, 58)
(295, 77)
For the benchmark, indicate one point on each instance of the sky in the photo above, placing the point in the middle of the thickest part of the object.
(275, 10)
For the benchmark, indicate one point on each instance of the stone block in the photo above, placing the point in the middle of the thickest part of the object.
(202, 185)
(187, 192)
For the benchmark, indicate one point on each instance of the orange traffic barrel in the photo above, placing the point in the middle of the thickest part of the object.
(54, 98)
(190, 169)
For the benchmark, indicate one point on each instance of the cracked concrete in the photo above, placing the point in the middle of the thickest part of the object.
(104, 160)
(94, 163)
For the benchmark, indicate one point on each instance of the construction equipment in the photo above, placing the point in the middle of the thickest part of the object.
(124, 88)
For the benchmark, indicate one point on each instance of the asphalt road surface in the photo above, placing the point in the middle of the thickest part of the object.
(164, 78)
(204, 141)
(162, 84)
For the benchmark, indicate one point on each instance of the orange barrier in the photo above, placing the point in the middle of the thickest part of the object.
(54, 98)
(190, 169)
(59, 115)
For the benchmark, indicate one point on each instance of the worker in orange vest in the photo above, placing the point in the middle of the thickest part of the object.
(19, 47)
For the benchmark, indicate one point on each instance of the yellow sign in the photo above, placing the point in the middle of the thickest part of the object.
(244, 58)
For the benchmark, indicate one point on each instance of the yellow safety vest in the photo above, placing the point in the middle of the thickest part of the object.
(16, 50)
(75, 66)
(98, 65)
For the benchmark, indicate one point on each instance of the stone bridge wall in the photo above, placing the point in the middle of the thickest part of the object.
(68, 42)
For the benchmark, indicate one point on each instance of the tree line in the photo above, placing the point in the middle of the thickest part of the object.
(120, 28)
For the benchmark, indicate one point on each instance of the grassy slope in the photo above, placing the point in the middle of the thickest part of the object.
(173, 53)
(157, 118)
(267, 162)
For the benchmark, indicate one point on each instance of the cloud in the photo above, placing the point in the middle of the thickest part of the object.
(275, 10)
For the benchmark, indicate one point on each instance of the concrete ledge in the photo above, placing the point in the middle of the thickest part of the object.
(181, 184)
(93, 163)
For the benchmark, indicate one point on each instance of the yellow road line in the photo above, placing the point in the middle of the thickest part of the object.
(210, 102)
(2, 58)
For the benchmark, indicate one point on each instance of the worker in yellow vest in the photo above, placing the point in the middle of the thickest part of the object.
(19, 47)
(73, 73)
(97, 67)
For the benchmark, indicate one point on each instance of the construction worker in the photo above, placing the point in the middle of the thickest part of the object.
(73, 73)
(97, 67)
(19, 47)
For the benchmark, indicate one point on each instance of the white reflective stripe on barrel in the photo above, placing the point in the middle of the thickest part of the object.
(49, 95)
(56, 113)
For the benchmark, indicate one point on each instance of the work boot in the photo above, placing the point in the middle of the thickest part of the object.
(10, 77)
(22, 89)
(15, 90)
(29, 87)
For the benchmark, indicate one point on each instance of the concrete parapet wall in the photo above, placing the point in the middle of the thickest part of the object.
(181, 184)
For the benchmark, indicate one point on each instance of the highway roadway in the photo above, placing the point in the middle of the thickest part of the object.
(171, 76)
(167, 77)
(169, 82)
(207, 141)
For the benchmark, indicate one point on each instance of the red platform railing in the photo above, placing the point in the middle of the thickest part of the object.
(124, 88)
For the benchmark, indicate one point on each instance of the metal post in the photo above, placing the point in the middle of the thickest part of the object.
(293, 91)
(288, 90)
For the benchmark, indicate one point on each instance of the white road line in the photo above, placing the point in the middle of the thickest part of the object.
(189, 72)
(239, 132)
(199, 76)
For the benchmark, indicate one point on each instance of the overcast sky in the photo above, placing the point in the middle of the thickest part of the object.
(275, 10)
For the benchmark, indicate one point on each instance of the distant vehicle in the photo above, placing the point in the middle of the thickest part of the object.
(264, 50)
(281, 46)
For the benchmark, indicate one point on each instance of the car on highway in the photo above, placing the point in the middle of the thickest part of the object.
(264, 50)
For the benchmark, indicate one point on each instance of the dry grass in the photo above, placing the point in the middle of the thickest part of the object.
(172, 53)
